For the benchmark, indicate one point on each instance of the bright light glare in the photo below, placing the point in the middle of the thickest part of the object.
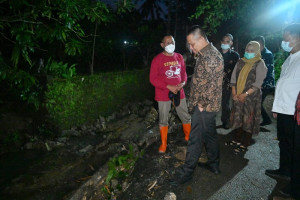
(125, 42)
(278, 13)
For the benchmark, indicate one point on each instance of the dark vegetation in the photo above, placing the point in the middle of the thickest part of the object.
(63, 63)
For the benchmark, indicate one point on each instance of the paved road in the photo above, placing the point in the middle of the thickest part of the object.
(251, 182)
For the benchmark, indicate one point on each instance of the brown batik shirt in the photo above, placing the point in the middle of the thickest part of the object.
(206, 84)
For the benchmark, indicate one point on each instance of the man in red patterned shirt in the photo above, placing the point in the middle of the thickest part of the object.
(168, 76)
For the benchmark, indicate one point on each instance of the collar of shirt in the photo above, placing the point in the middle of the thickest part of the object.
(228, 52)
(202, 51)
(294, 55)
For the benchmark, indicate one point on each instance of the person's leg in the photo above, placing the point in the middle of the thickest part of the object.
(266, 119)
(182, 112)
(285, 129)
(246, 139)
(185, 117)
(225, 107)
(211, 138)
(163, 109)
(238, 133)
(194, 148)
(295, 178)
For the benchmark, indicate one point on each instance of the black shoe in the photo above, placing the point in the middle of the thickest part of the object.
(264, 123)
(213, 169)
(225, 126)
(286, 191)
(180, 179)
(277, 174)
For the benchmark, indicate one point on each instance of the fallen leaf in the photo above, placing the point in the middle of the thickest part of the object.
(84, 178)
(189, 189)
(152, 185)
(92, 168)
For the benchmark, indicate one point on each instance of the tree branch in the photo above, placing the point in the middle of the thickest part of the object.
(7, 38)
(20, 20)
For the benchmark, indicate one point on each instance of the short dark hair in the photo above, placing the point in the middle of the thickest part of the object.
(228, 35)
(293, 29)
(260, 39)
(197, 30)
(166, 35)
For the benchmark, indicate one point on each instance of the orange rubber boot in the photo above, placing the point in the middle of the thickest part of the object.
(163, 136)
(186, 130)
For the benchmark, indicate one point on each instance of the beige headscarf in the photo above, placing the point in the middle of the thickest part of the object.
(248, 66)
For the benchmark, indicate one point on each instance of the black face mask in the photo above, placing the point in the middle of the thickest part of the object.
(175, 98)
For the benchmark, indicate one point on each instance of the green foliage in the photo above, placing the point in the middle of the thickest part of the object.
(80, 100)
(34, 30)
(29, 24)
(21, 82)
(213, 13)
(120, 167)
(126, 161)
(124, 6)
(59, 69)
(26, 85)
(280, 57)
(9, 140)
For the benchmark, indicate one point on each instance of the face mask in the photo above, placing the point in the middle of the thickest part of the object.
(286, 46)
(249, 55)
(170, 48)
(225, 46)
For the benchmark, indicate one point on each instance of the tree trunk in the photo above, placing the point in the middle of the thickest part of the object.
(169, 17)
(237, 44)
(176, 15)
(93, 54)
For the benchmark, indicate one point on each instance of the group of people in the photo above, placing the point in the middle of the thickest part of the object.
(219, 76)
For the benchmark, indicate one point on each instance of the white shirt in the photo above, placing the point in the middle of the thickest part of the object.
(288, 86)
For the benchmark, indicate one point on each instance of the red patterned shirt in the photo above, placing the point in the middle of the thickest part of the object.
(167, 70)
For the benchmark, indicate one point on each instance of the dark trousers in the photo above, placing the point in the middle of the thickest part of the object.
(295, 176)
(264, 114)
(203, 130)
(285, 135)
(225, 105)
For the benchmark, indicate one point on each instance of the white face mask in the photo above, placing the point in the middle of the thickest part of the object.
(286, 46)
(225, 46)
(170, 48)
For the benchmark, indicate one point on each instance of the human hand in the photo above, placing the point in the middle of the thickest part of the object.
(275, 115)
(235, 97)
(180, 85)
(173, 88)
(242, 97)
(200, 107)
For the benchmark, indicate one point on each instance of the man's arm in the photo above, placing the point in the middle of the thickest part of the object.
(182, 73)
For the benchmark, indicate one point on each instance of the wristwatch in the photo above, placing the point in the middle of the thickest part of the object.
(247, 93)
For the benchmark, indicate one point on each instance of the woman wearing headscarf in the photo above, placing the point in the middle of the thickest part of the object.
(246, 81)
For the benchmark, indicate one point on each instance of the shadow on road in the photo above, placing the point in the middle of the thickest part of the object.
(275, 193)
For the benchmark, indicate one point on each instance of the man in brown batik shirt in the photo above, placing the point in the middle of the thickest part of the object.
(205, 102)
